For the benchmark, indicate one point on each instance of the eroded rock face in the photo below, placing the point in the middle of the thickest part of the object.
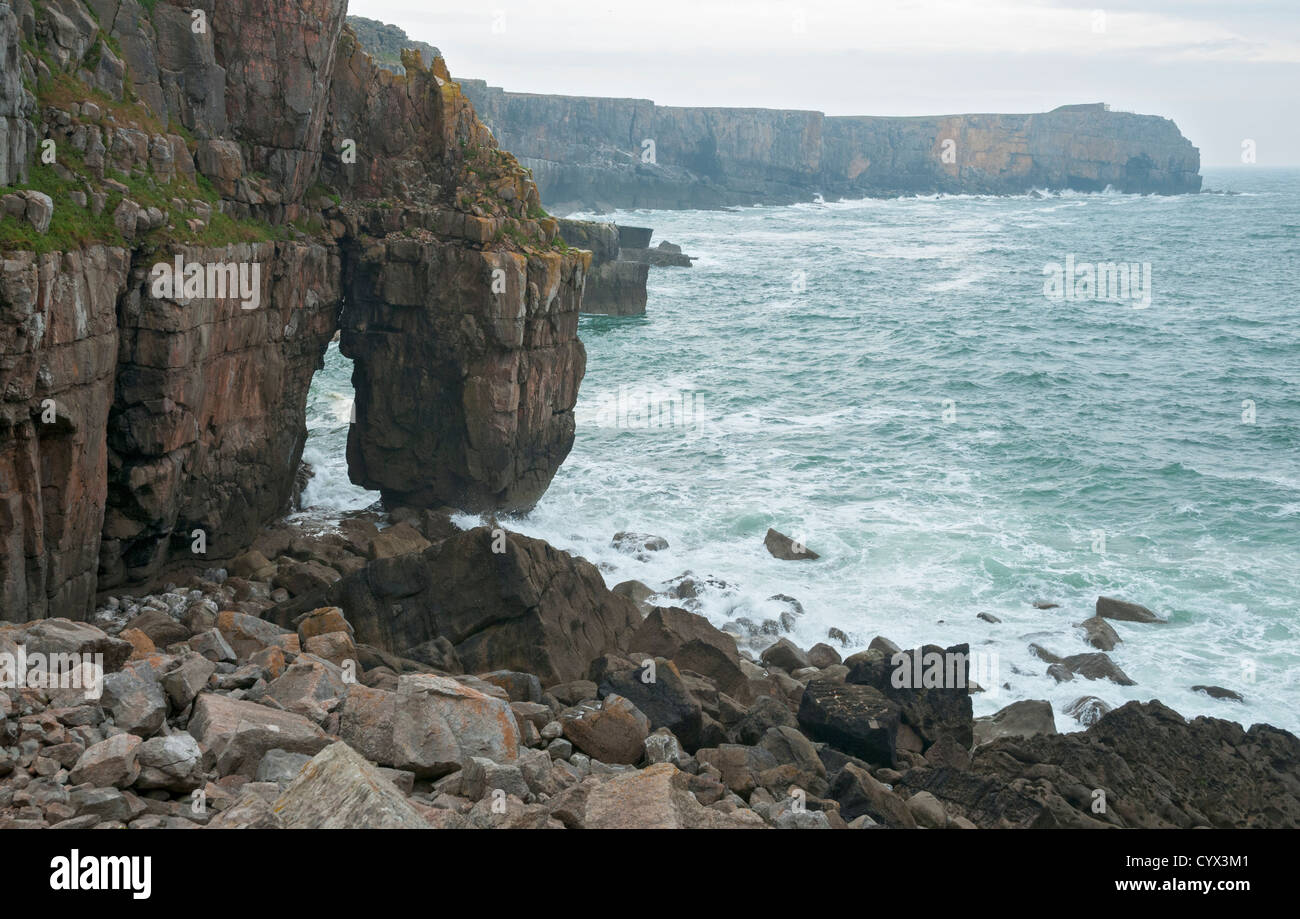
(58, 361)
(466, 348)
(587, 153)
(17, 136)
(209, 415)
(464, 397)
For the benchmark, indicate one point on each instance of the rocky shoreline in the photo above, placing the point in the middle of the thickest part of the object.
(401, 672)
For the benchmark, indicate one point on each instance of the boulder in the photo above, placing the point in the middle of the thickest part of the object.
(135, 700)
(786, 655)
(822, 655)
(189, 679)
(1099, 634)
(161, 628)
(1019, 719)
(1218, 692)
(280, 767)
(235, 735)
(783, 547)
(339, 790)
(429, 726)
(693, 643)
(665, 700)
(1087, 710)
(109, 762)
(400, 539)
(613, 733)
(62, 636)
(859, 720)
(1096, 666)
(858, 793)
(931, 686)
(528, 607)
(172, 763)
(657, 797)
(1110, 608)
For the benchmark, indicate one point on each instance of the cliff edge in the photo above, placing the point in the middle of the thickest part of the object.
(598, 154)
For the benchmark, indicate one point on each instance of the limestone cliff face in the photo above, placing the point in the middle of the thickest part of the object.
(254, 135)
(590, 153)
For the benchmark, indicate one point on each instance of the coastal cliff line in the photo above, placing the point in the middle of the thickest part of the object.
(599, 154)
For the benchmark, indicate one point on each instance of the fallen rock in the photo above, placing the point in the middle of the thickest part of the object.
(1110, 608)
(1099, 634)
(1019, 719)
(1096, 666)
(235, 735)
(666, 701)
(858, 793)
(656, 797)
(613, 733)
(693, 643)
(528, 607)
(786, 655)
(109, 762)
(340, 790)
(172, 763)
(429, 726)
(1218, 692)
(135, 699)
(859, 720)
(786, 549)
(1087, 710)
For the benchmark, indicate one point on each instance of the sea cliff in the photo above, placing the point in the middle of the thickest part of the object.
(591, 153)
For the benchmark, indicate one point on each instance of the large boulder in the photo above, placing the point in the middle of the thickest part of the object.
(504, 601)
(1019, 719)
(1122, 610)
(931, 686)
(235, 735)
(693, 643)
(613, 733)
(858, 720)
(429, 726)
(340, 790)
(657, 797)
(665, 699)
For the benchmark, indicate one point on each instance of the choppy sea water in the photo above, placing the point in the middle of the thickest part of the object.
(887, 381)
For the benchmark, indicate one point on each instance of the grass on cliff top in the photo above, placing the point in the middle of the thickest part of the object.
(75, 227)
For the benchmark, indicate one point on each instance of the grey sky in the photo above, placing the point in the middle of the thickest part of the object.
(1224, 71)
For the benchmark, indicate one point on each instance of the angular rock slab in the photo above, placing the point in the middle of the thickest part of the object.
(234, 735)
(430, 726)
(340, 790)
(655, 798)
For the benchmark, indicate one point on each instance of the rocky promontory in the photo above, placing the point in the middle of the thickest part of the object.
(599, 154)
(293, 188)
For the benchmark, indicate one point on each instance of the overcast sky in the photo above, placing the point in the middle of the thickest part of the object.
(1224, 70)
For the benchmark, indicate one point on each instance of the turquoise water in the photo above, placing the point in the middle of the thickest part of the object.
(886, 380)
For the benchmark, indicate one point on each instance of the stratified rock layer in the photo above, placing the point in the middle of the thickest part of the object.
(599, 154)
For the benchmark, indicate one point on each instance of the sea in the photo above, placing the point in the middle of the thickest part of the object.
(929, 394)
